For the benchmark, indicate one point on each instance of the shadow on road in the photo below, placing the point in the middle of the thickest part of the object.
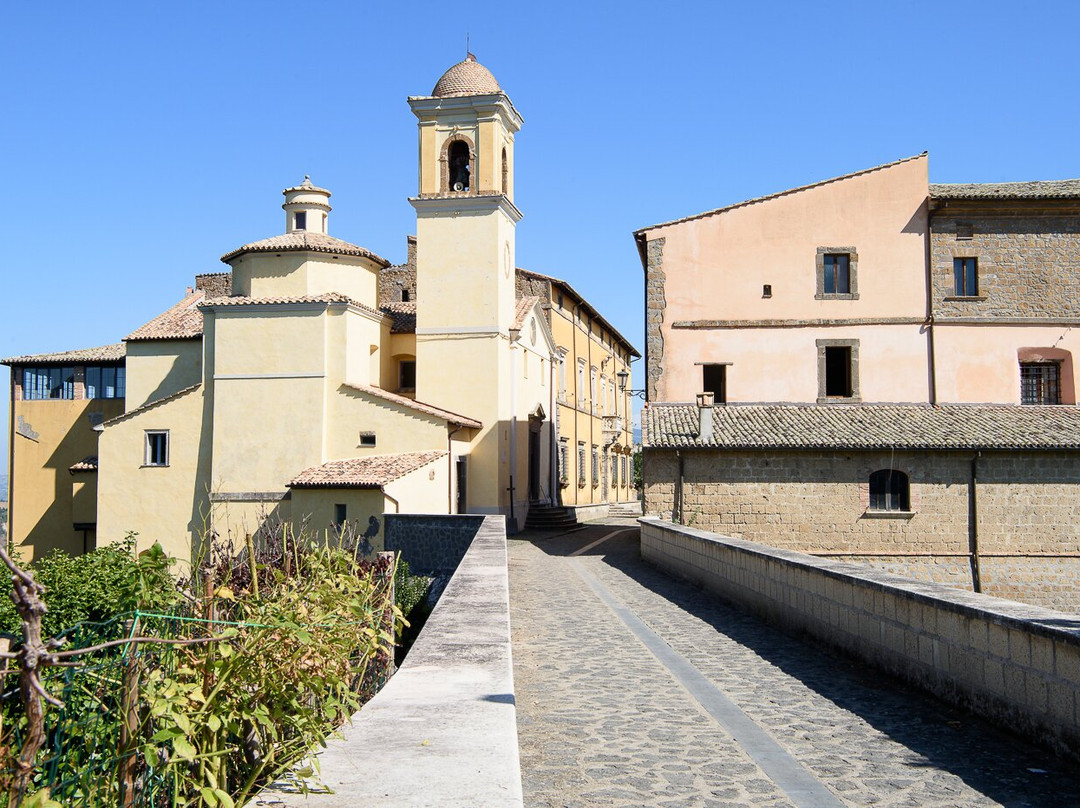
(1004, 767)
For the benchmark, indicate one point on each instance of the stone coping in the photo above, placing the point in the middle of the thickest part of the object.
(1059, 626)
(443, 731)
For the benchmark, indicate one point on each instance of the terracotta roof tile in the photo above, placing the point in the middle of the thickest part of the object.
(1047, 189)
(364, 472)
(105, 353)
(149, 405)
(86, 464)
(524, 306)
(466, 78)
(182, 321)
(329, 297)
(778, 194)
(427, 409)
(866, 426)
(306, 241)
(404, 316)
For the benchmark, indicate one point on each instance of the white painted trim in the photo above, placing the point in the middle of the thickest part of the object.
(462, 329)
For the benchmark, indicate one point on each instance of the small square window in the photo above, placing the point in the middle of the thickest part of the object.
(965, 277)
(366, 439)
(300, 220)
(837, 279)
(157, 448)
(837, 273)
(889, 491)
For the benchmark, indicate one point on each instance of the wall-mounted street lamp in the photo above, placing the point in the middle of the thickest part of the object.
(623, 377)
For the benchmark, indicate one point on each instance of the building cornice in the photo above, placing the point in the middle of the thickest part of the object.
(453, 205)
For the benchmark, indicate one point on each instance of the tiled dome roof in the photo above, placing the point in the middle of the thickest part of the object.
(466, 78)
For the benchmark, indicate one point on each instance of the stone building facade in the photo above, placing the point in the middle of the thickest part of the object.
(865, 300)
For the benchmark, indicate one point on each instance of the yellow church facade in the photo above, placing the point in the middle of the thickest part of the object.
(318, 384)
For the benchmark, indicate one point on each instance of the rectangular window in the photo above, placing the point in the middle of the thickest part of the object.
(838, 371)
(562, 377)
(340, 517)
(581, 464)
(1039, 383)
(837, 274)
(157, 448)
(592, 387)
(366, 439)
(301, 220)
(44, 383)
(407, 375)
(966, 277)
(564, 460)
(714, 380)
(104, 382)
(595, 466)
(580, 381)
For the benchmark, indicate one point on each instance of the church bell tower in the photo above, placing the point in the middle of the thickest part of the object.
(465, 267)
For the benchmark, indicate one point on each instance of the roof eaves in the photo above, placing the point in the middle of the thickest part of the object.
(778, 194)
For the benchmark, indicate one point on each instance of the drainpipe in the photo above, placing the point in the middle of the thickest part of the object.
(11, 461)
(450, 467)
(973, 525)
(932, 370)
(679, 487)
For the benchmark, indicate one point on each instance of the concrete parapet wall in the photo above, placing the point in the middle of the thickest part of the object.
(1013, 663)
(444, 729)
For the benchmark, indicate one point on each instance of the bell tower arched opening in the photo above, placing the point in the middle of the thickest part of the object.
(460, 171)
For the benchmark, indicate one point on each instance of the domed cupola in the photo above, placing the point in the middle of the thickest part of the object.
(467, 77)
(306, 207)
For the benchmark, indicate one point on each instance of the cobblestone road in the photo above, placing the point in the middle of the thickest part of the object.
(636, 689)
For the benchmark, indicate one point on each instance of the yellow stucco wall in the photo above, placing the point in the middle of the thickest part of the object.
(159, 368)
(297, 274)
(168, 503)
(41, 485)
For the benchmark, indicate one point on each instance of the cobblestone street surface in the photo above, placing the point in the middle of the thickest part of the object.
(634, 688)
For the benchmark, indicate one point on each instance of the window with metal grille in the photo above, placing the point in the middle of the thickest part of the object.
(889, 491)
(595, 465)
(1039, 383)
(965, 277)
(581, 464)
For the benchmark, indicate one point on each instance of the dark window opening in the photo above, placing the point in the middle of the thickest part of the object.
(838, 371)
(714, 380)
(43, 383)
(837, 274)
(505, 173)
(157, 448)
(404, 295)
(339, 517)
(966, 277)
(367, 439)
(300, 220)
(1040, 383)
(766, 290)
(105, 382)
(459, 166)
(407, 375)
(889, 491)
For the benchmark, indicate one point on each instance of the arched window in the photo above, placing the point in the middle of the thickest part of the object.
(459, 165)
(505, 173)
(889, 491)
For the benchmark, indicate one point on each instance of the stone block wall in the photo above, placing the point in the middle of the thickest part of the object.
(1013, 663)
(1027, 264)
(1027, 503)
(432, 544)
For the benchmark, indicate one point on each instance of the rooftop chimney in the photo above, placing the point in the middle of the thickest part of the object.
(705, 411)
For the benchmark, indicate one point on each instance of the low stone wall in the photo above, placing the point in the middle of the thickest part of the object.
(1013, 663)
(444, 729)
(433, 545)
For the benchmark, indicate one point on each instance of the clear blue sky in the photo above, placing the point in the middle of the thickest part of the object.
(142, 140)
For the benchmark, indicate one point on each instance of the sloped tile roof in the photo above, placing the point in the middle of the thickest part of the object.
(149, 405)
(427, 409)
(364, 472)
(778, 194)
(521, 311)
(404, 316)
(104, 353)
(329, 297)
(866, 426)
(182, 321)
(86, 464)
(306, 241)
(1047, 189)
